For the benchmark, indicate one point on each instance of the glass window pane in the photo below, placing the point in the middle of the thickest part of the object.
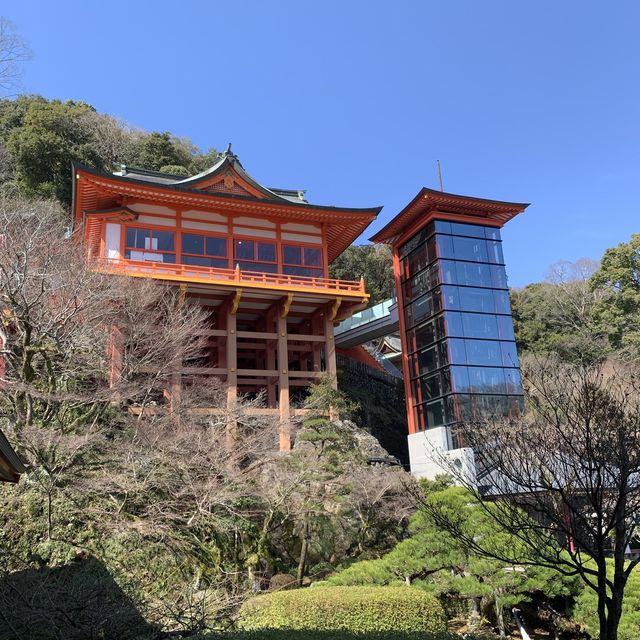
(167, 257)
(302, 271)
(498, 277)
(505, 328)
(421, 308)
(491, 233)
(192, 244)
(448, 272)
(136, 238)
(457, 351)
(427, 360)
(503, 304)
(266, 252)
(243, 249)
(453, 322)
(291, 255)
(312, 257)
(479, 325)
(444, 245)
(165, 240)
(513, 381)
(474, 230)
(441, 226)
(487, 380)
(216, 246)
(480, 300)
(204, 261)
(475, 275)
(426, 334)
(470, 249)
(494, 251)
(460, 379)
(483, 352)
(435, 414)
(449, 296)
(509, 354)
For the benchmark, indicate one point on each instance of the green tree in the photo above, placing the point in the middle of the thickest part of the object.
(374, 262)
(434, 560)
(618, 312)
(157, 150)
(49, 137)
(586, 609)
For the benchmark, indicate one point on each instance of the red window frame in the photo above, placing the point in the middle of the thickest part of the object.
(151, 230)
(255, 259)
(205, 235)
(317, 270)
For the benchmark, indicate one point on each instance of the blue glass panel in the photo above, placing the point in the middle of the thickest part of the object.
(445, 246)
(457, 351)
(441, 226)
(192, 244)
(448, 272)
(137, 238)
(491, 233)
(449, 296)
(481, 300)
(217, 247)
(470, 249)
(483, 352)
(473, 274)
(505, 327)
(460, 379)
(163, 240)
(479, 325)
(498, 276)
(487, 380)
(453, 323)
(509, 354)
(420, 309)
(494, 250)
(513, 380)
(473, 230)
(503, 305)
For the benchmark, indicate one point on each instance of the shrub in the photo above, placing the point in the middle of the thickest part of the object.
(279, 634)
(355, 609)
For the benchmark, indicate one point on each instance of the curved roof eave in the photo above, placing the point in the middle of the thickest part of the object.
(373, 211)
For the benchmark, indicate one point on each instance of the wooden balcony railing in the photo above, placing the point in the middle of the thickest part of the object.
(165, 270)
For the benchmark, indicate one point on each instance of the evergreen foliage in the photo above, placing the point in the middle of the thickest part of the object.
(355, 609)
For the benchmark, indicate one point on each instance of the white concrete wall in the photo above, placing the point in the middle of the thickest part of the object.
(429, 455)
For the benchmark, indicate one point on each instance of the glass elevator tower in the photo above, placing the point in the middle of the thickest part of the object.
(459, 354)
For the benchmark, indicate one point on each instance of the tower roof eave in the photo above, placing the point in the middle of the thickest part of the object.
(427, 201)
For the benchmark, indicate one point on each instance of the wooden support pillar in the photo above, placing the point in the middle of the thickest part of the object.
(283, 381)
(114, 351)
(330, 358)
(232, 373)
(175, 382)
(316, 330)
(271, 359)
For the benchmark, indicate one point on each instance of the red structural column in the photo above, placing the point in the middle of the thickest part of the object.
(232, 374)
(283, 382)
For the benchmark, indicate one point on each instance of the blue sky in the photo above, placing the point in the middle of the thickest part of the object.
(532, 101)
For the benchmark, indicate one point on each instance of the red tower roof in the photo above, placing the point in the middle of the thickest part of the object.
(430, 204)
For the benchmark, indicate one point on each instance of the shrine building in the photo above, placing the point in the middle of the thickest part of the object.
(257, 258)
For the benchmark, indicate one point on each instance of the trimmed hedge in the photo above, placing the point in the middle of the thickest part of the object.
(359, 609)
(280, 634)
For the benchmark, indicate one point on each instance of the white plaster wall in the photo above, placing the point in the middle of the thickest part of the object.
(165, 222)
(204, 226)
(429, 455)
(112, 241)
(305, 228)
(298, 237)
(254, 233)
(254, 222)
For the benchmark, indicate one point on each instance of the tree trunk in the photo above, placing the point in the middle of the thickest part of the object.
(304, 549)
(500, 617)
